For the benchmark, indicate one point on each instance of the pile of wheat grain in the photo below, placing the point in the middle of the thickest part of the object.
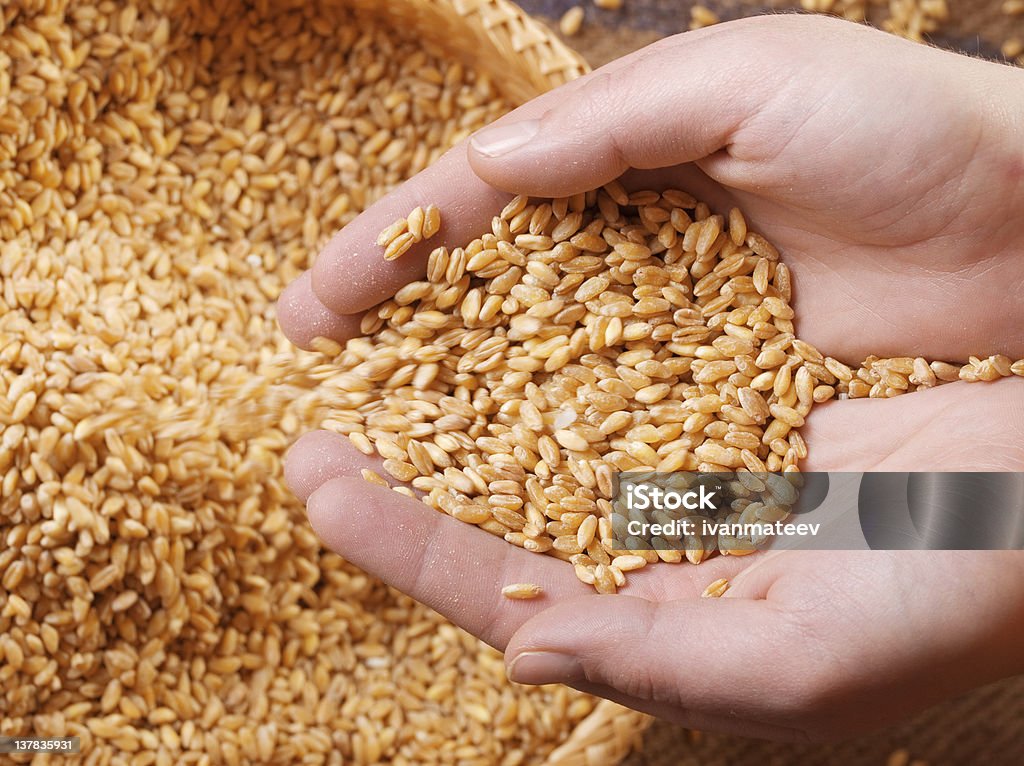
(166, 167)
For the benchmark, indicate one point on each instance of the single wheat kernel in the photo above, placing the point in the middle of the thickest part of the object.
(1012, 47)
(431, 221)
(399, 246)
(899, 757)
(373, 477)
(521, 591)
(414, 223)
(716, 589)
(629, 562)
(571, 21)
(571, 440)
(702, 17)
(389, 234)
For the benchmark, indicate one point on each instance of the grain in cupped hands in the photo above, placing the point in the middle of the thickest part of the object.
(609, 331)
(589, 335)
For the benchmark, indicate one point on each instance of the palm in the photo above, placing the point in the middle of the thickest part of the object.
(870, 278)
(785, 612)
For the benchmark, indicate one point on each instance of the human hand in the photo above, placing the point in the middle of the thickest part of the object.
(896, 206)
(898, 246)
(804, 645)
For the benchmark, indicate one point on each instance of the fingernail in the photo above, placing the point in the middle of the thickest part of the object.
(502, 139)
(544, 668)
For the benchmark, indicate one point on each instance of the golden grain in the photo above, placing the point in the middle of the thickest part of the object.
(899, 757)
(399, 246)
(165, 175)
(583, 344)
(716, 589)
(521, 591)
(701, 17)
(547, 401)
(419, 225)
(571, 21)
(166, 169)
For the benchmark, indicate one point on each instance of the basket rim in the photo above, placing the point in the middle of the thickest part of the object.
(523, 54)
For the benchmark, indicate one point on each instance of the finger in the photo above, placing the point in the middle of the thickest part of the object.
(647, 111)
(452, 567)
(350, 275)
(303, 317)
(955, 427)
(318, 457)
(697, 656)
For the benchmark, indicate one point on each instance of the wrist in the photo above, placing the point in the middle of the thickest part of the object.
(1004, 617)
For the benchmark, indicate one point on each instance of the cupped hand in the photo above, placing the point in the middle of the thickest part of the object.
(805, 645)
(891, 177)
(889, 174)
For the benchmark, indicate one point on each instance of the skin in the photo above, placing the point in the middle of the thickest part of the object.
(891, 177)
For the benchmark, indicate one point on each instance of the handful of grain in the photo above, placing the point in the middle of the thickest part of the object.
(580, 337)
(585, 336)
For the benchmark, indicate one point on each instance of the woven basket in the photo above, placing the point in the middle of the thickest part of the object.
(526, 59)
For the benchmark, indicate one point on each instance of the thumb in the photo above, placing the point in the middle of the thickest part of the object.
(732, 97)
(675, 102)
(691, 658)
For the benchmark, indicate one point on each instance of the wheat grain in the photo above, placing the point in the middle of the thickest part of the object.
(584, 340)
(716, 589)
(166, 169)
(701, 17)
(571, 21)
(521, 591)
(899, 757)
(417, 226)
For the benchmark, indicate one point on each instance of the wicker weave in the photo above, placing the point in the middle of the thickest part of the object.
(526, 59)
